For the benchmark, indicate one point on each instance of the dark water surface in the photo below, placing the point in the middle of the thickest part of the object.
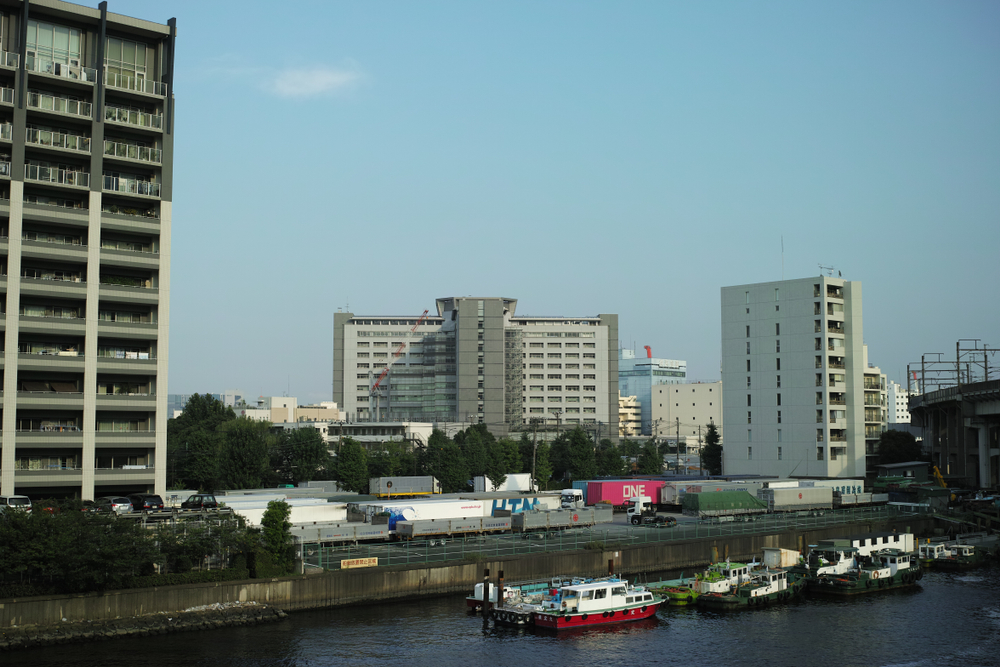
(947, 620)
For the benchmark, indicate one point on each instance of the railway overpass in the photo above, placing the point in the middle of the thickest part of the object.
(961, 425)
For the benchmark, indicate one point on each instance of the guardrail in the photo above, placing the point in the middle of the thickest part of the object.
(607, 536)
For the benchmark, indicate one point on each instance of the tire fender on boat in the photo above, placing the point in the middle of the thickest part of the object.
(920, 574)
(868, 584)
(584, 617)
(644, 608)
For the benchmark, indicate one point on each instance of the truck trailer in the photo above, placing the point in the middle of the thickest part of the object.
(420, 509)
(411, 530)
(617, 492)
(722, 504)
(561, 519)
(800, 498)
(403, 487)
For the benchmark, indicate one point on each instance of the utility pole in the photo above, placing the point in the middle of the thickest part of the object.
(677, 445)
(700, 467)
(534, 449)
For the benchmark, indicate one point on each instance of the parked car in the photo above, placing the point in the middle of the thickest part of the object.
(22, 503)
(200, 501)
(146, 502)
(114, 504)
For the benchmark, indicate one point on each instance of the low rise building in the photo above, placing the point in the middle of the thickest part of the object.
(637, 376)
(629, 416)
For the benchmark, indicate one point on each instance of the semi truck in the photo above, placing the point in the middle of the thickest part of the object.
(641, 511)
(798, 498)
(413, 510)
(618, 492)
(561, 519)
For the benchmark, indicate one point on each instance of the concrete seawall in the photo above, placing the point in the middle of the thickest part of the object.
(346, 587)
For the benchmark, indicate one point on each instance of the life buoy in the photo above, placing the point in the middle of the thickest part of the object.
(875, 574)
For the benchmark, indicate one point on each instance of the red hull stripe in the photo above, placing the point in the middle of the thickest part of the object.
(559, 622)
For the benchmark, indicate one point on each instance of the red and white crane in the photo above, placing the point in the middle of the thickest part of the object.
(374, 394)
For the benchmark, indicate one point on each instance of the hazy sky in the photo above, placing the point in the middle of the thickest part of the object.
(624, 157)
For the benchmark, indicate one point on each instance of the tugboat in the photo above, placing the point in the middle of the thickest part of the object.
(961, 557)
(863, 564)
(764, 586)
(717, 578)
(928, 553)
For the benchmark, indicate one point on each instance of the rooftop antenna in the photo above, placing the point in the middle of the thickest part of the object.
(828, 269)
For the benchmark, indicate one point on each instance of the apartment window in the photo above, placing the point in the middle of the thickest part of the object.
(555, 387)
(748, 347)
(572, 387)
(362, 365)
(380, 355)
(377, 344)
(535, 411)
(536, 355)
(779, 399)
(536, 387)
(778, 380)
(749, 435)
(536, 376)
(589, 411)
(589, 387)
(779, 448)
(779, 438)
(748, 365)
(819, 453)
(590, 345)
(572, 399)
(574, 365)
(589, 399)
(819, 435)
(779, 416)
(361, 387)
(54, 43)
(536, 366)
(572, 345)
(748, 400)
(777, 328)
(833, 453)
(365, 344)
(362, 355)
(555, 355)
(555, 399)
(536, 399)
(819, 379)
(748, 297)
(555, 376)
(589, 355)
(748, 382)
(572, 355)
(749, 449)
(555, 344)
(589, 366)
(557, 367)
(749, 417)
(777, 364)
(572, 376)
(589, 376)
(748, 331)
(574, 411)
(362, 376)
(775, 293)
(536, 345)
(777, 346)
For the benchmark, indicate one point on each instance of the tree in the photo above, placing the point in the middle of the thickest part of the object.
(711, 453)
(246, 453)
(194, 443)
(391, 459)
(276, 535)
(630, 448)
(511, 453)
(609, 460)
(650, 460)
(299, 455)
(573, 455)
(496, 464)
(898, 447)
(473, 451)
(352, 466)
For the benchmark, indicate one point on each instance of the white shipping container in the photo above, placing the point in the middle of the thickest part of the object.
(801, 498)
(776, 557)
(415, 510)
(516, 482)
(842, 486)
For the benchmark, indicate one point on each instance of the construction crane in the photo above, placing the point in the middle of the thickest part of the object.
(373, 394)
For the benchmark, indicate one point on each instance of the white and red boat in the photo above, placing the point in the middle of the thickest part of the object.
(584, 604)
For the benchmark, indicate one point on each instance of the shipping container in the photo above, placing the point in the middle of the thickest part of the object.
(800, 498)
(391, 487)
(340, 532)
(617, 492)
(515, 502)
(842, 486)
(514, 482)
(421, 509)
(559, 519)
(582, 486)
(779, 558)
(722, 503)
(672, 493)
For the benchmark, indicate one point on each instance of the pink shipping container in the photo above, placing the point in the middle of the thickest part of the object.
(618, 492)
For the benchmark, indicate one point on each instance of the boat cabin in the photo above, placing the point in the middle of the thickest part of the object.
(933, 551)
(720, 577)
(596, 597)
(894, 559)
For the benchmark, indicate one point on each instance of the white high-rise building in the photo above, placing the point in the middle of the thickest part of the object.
(898, 403)
(793, 369)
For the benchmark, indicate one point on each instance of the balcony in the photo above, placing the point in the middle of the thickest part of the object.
(833, 292)
(835, 329)
(5, 169)
(57, 202)
(132, 117)
(136, 84)
(63, 105)
(40, 174)
(837, 401)
(6, 131)
(51, 68)
(7, 95)
(9, 60)
(49, 139)
(132, 152)
(838, 436)
(836, 364)
(131, 186)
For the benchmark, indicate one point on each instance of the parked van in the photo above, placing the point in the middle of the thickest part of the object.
(16, 502)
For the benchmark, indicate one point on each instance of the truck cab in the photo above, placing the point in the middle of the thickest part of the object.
(641, 510)
(571, 499)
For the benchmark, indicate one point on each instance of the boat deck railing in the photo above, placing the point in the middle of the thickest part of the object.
(602, 537)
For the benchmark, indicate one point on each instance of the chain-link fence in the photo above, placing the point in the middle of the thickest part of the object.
(484, 547)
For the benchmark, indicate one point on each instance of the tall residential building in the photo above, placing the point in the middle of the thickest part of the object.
(638, 375)
(477, 361)
(86, 153)
(898, 403)
(629, 416)
(686, 410)
(876, 415)
(793, 374)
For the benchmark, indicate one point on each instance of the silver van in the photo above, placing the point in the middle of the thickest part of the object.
(22, 503)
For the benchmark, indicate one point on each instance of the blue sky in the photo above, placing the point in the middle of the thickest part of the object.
(584, 157)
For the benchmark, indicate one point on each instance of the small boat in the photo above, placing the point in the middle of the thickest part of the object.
(961, 557)
(599, 602)
(882, 570)
(928, 553)
(763, 587)
(530, 592)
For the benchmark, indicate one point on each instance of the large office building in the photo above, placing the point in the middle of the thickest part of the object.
(475, 360)
(637, 376)
(86, 146)
(793, 376)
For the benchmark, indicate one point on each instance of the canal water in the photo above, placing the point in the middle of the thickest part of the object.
(948, 619)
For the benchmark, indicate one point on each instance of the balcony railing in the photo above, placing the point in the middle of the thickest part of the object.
(132, 186)
(8, 59)
(119, 353)
(114, 209)
(123, 427)
(54, 201)
(59, 104)
(136, 83)
(6, 131)
(838, 438)
(834, 329)
(5, 169)
(43, 237)
(34, 172)
(128, 246)
(50, 312)
(72, 142)
(46, 66)
(7, 95)
(834, 293)
(51, 275)
(837, 401)
(133, 152)
(132, 117)
(836, 364)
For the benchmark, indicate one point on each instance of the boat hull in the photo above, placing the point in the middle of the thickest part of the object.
(737, 601)
(846, 585)
(566, 621)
